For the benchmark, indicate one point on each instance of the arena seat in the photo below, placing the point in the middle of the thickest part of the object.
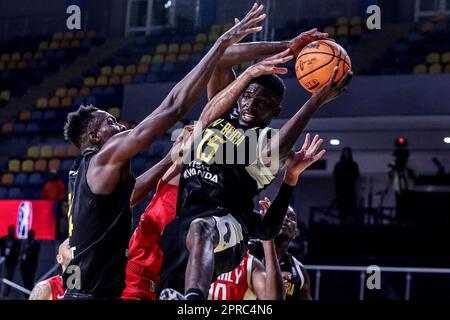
(36, 178)
(433, 57)
(21, 179)
(7, 179)
(186, 48)
(14, 165)
(46, 151)
(435, 68)
(142, 68)
(54, 165)
(25, 116)
(40, 165)
(420, 69)
(146, 59)
(33, 152)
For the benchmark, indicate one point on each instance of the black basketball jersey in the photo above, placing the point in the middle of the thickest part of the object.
(224, 169)
(288, 264)
(99, 232)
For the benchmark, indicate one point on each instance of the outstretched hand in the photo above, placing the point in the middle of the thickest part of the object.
(269, 65)
(333, 89)
(298, 43)
(248, 25)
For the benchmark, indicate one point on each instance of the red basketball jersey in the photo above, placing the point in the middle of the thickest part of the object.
(57, 287)
(236, 284)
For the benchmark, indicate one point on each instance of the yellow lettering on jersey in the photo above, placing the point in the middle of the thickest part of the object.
(69, 215)
(290, 288)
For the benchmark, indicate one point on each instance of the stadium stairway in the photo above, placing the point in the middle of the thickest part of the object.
(80, 65)
(373, 47)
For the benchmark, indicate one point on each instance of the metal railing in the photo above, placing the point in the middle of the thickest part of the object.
(363, 273)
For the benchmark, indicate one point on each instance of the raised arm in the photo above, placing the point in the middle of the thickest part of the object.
(223, 74)
(267, 281)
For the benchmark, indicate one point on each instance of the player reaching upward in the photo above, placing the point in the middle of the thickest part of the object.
(101, 184)
(52, 288)
(215, 199)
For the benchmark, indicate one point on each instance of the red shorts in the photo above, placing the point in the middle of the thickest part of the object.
(140, 285)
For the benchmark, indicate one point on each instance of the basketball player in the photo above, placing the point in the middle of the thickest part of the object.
(215, 200)
(52, 288)
(296, 278)
(101, 184)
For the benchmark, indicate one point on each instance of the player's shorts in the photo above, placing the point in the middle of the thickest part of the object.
(140, 284)
(228, 253)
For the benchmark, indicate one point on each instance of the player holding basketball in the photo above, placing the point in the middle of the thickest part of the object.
(215, 198)
(52, 288)
(101, 184)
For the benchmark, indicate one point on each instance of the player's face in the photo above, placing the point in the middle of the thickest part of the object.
(258, 106)
(108, 126)
(289, 227)
(63, 256)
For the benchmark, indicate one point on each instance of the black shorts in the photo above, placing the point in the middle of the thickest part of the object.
(228, 253)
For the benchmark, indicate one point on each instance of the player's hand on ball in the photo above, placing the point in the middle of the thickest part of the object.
(298, 43)
(249, 24)
(269, 65)
(333, 89)
(301, 160)
(265, 204)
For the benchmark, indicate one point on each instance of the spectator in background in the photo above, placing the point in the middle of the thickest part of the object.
(29, 255)
(54, 188)
(346, 174)
(9, 249)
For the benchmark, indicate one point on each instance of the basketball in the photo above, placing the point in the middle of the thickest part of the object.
(315, 63)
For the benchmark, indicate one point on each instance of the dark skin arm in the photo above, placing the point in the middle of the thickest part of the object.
(305, 294)
(223, 74)
(110, 164)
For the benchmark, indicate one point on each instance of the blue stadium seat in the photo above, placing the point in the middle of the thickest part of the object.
(66, 165)
(15, 193)
(36, 178)
(78, 101)
(97, 91)
(33, 127)
(3, 164)
(155, 68)
(3, 193)
(168, 67)
(91, 100)
(152, 77)
(36, 115)
(139, 78)
(49, 114)
(21, 179)
(19, 128)
(109, 90)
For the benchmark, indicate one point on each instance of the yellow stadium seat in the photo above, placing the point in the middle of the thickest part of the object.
(186, 48)
(66, 102)
(131, 69)
(69, 35)
(199, 47)
(25, 116)
(85, 91)
(28, 165)
(58, 36)
(15, 56)
(91, 34)
(7, 179)
(212, 36)
(2, 66)
(126, 79)
(331, 30)
(106, 71)
(171, 58)
(114, 80)
(5, 95)
(173, 48)
(216, 28)
(435, 68)
(65, 44)
(119, 70)
(433, 57)
(72, 151)
(38, 55)
(75, 43)
(146, 58)
(40, 165)
(5, 57)
(342, 21)
(161, 49)
(159, 58)
(54, 45)
(61, 92)
(54, 165)
(7, 128)
(201, 37)
(355, 21)
(59, 151)
(182, 58)
(28, 55)
(420, 69)
(342, 31)
(102, 81)
(72, 92)
(80, 35)
(46, 151)
(54, 102)
(445, 57)
(89, 81)
(142, 68)
(115, 112)
(14, 165)
(42, 103)
(33, 152)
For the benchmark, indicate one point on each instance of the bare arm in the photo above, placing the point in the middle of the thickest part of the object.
(42, 291)
(268, 282)
(305, 294)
